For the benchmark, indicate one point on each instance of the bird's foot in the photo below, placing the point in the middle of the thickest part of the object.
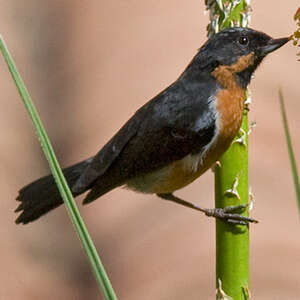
(227, 214)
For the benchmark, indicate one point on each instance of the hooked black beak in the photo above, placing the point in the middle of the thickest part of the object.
(272, 45)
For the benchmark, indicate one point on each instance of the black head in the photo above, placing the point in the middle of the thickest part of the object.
(229, 45)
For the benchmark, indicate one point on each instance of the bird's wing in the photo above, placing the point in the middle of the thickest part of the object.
(169, 127)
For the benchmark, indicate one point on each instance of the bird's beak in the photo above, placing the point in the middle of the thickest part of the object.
(272, 45)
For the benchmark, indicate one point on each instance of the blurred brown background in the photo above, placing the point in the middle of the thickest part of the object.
(89, 65)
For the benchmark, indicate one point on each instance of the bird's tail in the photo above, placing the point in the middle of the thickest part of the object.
(42, 195)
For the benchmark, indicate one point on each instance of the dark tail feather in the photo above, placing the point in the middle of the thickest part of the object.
(42, 195)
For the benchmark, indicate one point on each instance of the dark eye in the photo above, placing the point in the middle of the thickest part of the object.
(243, 40)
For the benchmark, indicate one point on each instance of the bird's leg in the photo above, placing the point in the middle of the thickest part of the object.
(225, 213)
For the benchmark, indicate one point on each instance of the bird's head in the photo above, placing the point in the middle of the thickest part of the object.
(238, 49)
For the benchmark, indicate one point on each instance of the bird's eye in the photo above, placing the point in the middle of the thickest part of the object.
(243, 40)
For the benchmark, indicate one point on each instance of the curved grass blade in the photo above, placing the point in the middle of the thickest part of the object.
(290, 148)
(95, 262)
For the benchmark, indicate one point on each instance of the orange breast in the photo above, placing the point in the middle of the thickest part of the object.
(230, 107)
(231, 99)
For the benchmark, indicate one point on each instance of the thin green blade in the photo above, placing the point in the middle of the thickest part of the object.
(290, 148)
(95, 262)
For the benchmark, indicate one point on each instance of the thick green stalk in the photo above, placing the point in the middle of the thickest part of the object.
(232, 242)
(231, 178)
(87, 243)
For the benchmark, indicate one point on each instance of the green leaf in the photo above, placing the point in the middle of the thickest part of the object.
(290, 148)
(95, 262)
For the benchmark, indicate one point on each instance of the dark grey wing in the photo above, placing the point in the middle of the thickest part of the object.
(153, 149)
(169, 127)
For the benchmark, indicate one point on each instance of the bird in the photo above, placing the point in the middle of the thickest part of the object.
(175, 137)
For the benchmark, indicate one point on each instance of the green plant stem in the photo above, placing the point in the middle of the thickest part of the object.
(290, 148)
(232, 242)
(97, 267)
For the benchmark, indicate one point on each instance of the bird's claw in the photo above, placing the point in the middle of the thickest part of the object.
(227, 215)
